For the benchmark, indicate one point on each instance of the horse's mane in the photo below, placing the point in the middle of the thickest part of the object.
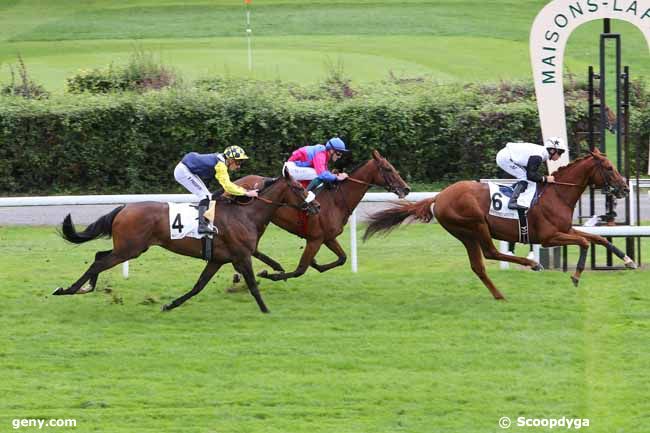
(358, 166)
(268, 181)
(567, 167)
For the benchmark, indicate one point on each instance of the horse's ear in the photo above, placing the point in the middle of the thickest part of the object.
(376, 155)
(285, 173)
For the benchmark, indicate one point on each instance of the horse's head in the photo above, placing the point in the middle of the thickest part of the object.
(607, 177)
(386, 176)
(296, 196)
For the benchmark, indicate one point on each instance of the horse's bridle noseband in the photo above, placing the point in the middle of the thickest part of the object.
(607, 188)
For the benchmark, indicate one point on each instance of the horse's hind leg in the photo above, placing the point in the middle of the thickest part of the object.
(208, 272)
(337, 249)
(476, 261)
(93, 280)
(491, 253)
(100, 264)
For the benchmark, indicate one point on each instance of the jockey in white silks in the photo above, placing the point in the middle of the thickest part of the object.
(522, 160)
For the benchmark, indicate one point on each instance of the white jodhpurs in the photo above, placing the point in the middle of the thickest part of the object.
(192, 182)
(506, 164)
(300, 173)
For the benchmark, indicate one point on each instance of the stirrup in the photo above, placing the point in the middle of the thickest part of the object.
(513, 205)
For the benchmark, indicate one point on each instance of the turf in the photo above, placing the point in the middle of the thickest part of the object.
(294, 40)
(413, 343)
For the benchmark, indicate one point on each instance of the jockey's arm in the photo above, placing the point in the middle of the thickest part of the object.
(532, 169)
(222, 176)
(320, 165)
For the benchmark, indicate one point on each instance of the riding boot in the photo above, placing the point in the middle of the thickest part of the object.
(205, 228)
(516, 191)
(314, 184)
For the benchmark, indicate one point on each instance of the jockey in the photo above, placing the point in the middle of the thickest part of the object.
(194, 168)
(310, 163)
(522, 160)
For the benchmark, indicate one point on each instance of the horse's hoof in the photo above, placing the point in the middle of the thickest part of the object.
(85, 289)
(58, 291)
(575, 280)
(236, 278)
(166, 307)
(630, 264)
(538, 267)
(263, 274)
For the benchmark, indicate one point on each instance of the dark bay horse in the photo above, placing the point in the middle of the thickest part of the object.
(336, 207)
(136, 227)
(462, 209)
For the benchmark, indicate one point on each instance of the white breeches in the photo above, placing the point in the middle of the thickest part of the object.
(192, 182)
(506, 164)
(300, 173)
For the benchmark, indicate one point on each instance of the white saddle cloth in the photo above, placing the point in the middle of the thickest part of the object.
(500, 197)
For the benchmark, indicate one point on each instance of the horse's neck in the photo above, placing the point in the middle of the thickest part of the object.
(261, 212)
(578, 175)
(353, 192)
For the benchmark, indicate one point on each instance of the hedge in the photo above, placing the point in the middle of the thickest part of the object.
(129, 143)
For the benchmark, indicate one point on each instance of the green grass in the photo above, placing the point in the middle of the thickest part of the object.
(412, 343)
(450, 40)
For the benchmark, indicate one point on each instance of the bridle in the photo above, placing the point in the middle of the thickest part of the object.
(304, 206)
(384, 174)
(608, 189)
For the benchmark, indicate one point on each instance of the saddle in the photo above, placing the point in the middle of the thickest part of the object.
(500, 197)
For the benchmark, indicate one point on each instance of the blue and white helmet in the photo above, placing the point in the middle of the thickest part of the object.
(336, 144)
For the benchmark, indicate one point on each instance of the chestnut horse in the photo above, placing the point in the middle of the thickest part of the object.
(462, 209)
(337, 205)
(136, 227)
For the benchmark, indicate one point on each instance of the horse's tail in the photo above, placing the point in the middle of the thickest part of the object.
(102, 227)
(387, 220)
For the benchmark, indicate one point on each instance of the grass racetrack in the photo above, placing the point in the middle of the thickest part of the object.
(412, 343)
(453, 40)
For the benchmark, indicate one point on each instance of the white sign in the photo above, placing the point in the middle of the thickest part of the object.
(548, 38)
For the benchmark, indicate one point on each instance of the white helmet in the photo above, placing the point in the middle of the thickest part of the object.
(556, 143)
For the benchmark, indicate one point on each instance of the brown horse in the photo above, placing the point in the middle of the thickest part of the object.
(136, 227)
(337, 205)
(462, 209)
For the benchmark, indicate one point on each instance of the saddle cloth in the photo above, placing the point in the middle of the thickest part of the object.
(500, 197)
(184, 220)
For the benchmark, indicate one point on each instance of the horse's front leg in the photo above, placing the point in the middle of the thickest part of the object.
(337, 249)
(561, 239)
(629, 263)
(208, 272)
(308, 255)
(245, 267)
(277, 267)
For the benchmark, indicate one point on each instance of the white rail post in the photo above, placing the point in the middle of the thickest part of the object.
(503, 247)
(353, 241)
(125, 269)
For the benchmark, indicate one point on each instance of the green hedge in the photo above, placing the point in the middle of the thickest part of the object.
(128, 143)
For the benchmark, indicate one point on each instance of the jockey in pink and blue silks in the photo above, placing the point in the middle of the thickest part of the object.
(310, 163)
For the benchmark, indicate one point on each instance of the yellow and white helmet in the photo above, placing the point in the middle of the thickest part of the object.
(235, 152)
(556, 143)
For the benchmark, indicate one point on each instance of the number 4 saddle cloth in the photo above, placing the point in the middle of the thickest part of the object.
(500, 197)
(184, 219)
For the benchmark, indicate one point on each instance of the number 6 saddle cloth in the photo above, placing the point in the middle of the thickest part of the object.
(500, 197)
(184, 219)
